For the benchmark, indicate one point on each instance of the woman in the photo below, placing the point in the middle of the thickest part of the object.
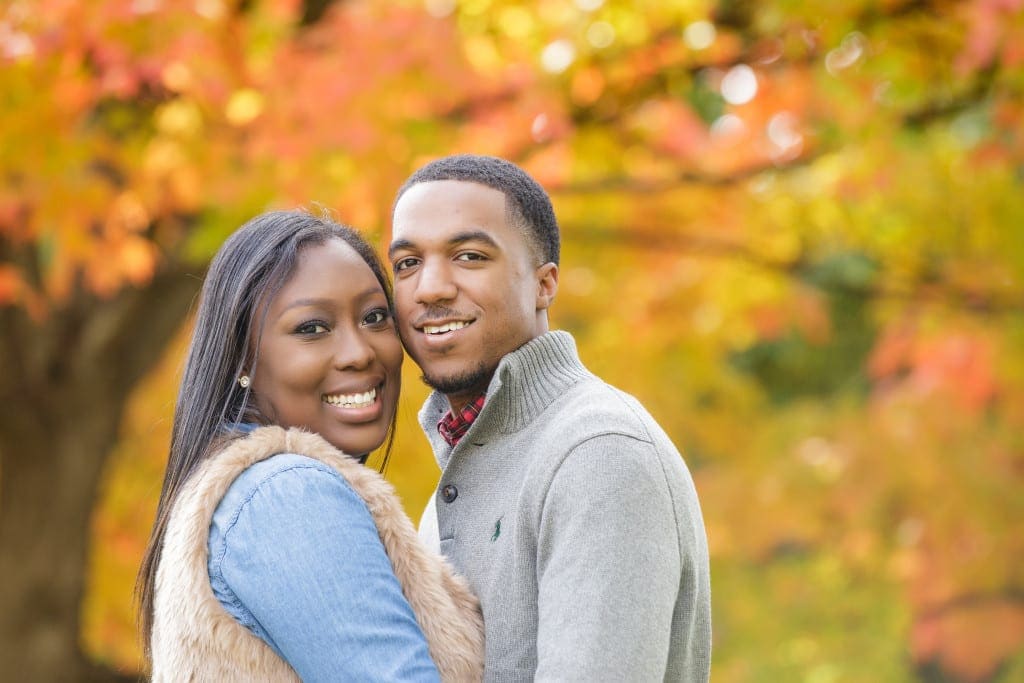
(274, 555)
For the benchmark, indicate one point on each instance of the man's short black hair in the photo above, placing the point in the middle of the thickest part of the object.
(528, 205)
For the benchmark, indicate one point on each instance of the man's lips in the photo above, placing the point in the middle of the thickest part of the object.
(439, 335)
(441, 327)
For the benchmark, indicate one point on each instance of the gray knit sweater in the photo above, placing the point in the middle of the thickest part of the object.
(577, 524)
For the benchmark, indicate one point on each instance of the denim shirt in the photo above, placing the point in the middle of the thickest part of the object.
(295, 557)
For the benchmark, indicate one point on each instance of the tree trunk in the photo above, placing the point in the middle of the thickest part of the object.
(64, 383)
(47, 487)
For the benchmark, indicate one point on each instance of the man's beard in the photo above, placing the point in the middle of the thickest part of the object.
(473, 379)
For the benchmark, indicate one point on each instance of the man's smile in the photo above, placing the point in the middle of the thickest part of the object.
(441, 328)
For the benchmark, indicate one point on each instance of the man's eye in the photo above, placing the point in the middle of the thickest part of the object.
(470, 256)
(312, 327)
(404, 263)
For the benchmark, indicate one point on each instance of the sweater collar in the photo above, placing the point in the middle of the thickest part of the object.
(526, 382)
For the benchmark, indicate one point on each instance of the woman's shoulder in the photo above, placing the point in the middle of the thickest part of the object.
(277, 501)
(275, 465)
(284, 474)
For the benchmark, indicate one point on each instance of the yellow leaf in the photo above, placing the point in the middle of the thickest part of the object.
(244, 106)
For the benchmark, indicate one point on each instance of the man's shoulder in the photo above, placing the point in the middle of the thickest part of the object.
(595, 419)
(593, 407)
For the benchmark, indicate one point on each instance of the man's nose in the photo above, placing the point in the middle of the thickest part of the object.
(434, 284)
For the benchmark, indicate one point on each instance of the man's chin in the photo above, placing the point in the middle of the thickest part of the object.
(464, 381)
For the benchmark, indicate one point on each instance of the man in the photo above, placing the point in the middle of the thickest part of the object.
(561, 500)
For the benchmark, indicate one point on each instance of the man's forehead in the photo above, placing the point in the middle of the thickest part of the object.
(444, 197)
(424, 212)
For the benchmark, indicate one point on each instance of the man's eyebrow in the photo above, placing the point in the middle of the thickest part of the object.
(397, 245)
(472, 236)
(455, 240)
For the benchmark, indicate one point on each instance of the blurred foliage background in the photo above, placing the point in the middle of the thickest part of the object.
(795, 230)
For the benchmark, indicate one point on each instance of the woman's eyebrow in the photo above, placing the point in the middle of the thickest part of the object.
(326, 301)
(298, 303)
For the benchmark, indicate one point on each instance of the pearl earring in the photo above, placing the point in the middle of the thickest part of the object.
(244, 381)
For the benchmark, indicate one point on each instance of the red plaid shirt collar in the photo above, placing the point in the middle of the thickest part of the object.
(453, 426)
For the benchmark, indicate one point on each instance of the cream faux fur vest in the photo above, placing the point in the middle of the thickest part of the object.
(195, 639)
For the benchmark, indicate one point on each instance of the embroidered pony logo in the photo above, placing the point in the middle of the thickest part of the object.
(497, 529)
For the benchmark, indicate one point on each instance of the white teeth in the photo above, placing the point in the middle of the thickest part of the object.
(447, 327)
(362, 400)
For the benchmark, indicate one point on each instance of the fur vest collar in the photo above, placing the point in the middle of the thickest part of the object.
(194, 639)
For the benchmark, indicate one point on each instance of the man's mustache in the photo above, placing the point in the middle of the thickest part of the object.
(437, 313)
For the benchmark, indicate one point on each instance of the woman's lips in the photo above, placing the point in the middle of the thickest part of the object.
(357, 407)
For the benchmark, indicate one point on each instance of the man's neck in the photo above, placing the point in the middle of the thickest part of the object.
(456, 402)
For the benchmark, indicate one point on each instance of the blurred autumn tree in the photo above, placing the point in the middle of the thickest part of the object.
(793, 229)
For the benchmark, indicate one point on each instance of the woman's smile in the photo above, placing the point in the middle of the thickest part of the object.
(356, 407)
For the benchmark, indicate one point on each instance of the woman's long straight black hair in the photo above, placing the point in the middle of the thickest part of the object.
(247, 272)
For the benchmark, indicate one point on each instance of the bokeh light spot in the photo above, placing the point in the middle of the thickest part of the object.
(739, 85)
(601, 34)
(558, 56)
(847, 54)
(728, 126)
(699, 35)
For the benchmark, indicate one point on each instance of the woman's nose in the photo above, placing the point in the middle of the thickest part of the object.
(353, 351)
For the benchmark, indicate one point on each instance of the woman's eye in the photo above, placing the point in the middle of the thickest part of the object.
(312, 327)
(377, 316)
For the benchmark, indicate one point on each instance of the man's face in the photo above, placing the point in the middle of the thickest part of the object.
(467, 290)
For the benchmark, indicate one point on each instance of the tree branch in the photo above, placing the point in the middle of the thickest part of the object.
(313, 11)
(684, 177)
(975, 302)
(106, 344)
(1010, 594)
(945, 107)
(129, 334)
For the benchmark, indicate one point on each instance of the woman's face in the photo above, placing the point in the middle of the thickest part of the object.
(329, 358)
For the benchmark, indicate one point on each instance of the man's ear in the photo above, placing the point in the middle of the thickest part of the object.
(547, 285)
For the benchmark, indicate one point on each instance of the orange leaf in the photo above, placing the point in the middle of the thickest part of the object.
(969, 642)
(10, 284)
(138, 259)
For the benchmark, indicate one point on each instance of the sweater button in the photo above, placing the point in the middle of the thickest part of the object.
(449, 493)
